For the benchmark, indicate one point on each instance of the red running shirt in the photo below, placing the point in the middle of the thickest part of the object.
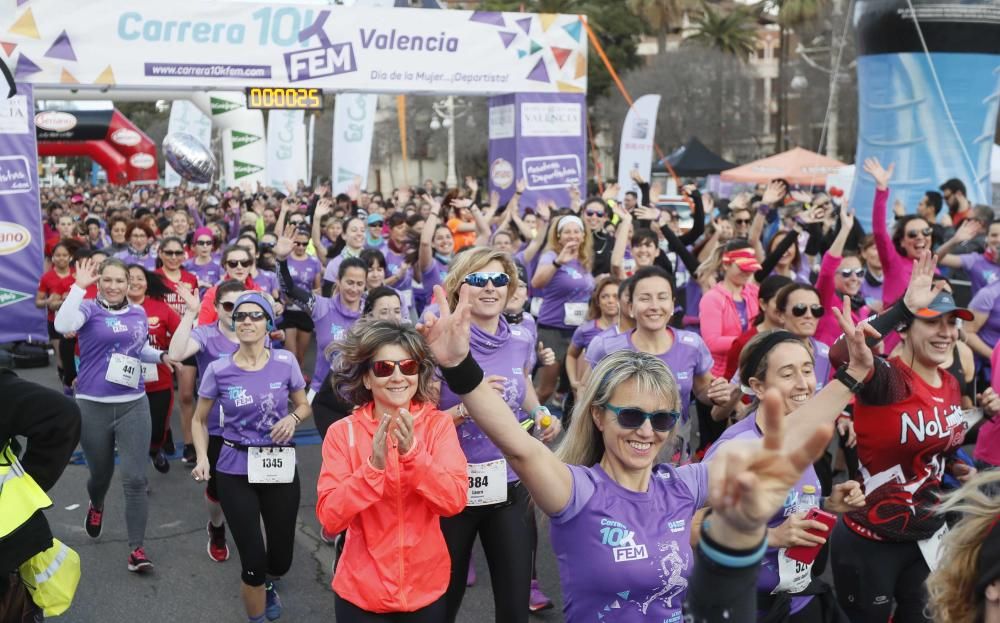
(163, 321)
(901, 448)
(173, 299)
(51, 283)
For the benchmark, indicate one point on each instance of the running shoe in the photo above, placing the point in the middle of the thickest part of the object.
(95, 521)
(470, 579)
(189, 458)
(273, 606)
(160, 462)
(538, 600)
(138, 562)
(218, 549)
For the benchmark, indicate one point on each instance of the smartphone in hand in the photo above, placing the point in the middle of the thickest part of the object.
(807, 553)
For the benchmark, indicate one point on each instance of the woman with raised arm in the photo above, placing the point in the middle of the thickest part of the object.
(840, 274)
(611, 508)
(207, 343)
(391, 470)
(908, 424)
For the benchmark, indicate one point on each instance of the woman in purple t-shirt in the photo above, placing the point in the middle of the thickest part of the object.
(778, 361)
(620, 523)
(499, 514)
(437, 245)
(602, 312)
(112, 336)
(257, 476)
(306, 273)
(203, 265)
(564, 281)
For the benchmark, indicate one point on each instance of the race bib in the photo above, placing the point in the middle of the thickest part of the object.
(124, 370)
(575, 314)
(487, 483)
(535, 306)
(931, 548)
(150, 373)
(793, 576)
(406, 300)
(270, 466)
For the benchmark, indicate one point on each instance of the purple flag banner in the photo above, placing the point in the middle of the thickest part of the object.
(539, 138)
(21, 240)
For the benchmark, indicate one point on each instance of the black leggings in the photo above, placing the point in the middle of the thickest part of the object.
(869, 575)
(67, 357)
(708, 429)
(346, 612)
(245, 505)
(328, 407)
(506, 535)
(160, 405)
(214, 448)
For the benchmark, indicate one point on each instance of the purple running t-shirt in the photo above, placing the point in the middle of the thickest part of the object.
(585, 333)
(571, 285)
(626, 556)
(507, 354)
(104, 334)
(982, 272)
(147, 261)
(209, 273)
(213, 345)
(303, 274)
(332, 321)
(804, 495)
(252, 402)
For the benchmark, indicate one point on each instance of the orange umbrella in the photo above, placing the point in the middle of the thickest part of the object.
(799, 166)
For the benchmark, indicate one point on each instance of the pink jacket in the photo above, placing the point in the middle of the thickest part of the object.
(828, 330)
(720, 322)
(988, 441)
(895, 268)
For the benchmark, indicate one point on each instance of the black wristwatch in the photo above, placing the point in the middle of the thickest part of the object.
(853, 385)
(556, 264)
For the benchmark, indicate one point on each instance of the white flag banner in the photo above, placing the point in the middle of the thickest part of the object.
(187, 118)
(310, 149)
(286, 147)
(353, 128)
(637, 138)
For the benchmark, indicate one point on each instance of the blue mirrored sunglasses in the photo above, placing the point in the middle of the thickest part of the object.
(479, 280)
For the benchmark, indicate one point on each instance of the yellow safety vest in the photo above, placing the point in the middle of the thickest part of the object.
(20, 495)
(51, 576)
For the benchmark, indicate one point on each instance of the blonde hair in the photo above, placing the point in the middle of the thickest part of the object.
(585, 252)
(712, 265)
(584, 444)
(951, 587)
(474, 259)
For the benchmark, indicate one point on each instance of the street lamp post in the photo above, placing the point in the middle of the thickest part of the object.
(444, 117)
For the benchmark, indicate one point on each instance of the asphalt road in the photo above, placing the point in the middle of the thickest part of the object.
(186, 585)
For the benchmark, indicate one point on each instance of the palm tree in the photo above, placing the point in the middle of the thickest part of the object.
(660, 16)
(791, 13)
(732, 34)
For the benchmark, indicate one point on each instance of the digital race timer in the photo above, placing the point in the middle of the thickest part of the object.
(289, 98)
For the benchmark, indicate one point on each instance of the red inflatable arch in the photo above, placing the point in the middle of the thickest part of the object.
(105, 136)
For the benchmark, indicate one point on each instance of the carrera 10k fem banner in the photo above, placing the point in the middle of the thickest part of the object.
(187, 44)
(21, 243)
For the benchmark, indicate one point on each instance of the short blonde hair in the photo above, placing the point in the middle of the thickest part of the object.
(584, 254)
(584, 444)
(473, 259)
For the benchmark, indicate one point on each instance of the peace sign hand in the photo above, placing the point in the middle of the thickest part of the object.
(448, 333)
(748, 481)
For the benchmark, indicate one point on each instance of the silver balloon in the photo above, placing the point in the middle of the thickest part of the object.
(189, 158)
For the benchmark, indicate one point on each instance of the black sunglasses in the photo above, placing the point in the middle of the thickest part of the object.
(634, 417)
(205, 243)
(173, 253)
(913, 233)
(297, 244)
(857, 272)
(741, 221)
(480, 279)
(800, 309)
(256, 316)
(594, 212)
(235, 263)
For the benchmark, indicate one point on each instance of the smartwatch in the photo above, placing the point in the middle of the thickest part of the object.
(853, 385)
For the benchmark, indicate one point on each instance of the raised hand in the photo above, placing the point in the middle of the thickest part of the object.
(190, 299)
(643, 213)
(968, 230)
(882, 175)
(860, 357)
(921, 290)
(283, 247)
(748, 481)
(323, 207)
(520, 185)
(775, 192)
(611, 192)
(447, 334)
(86, 272)
(494, 200)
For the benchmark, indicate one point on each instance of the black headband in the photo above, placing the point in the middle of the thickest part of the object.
(762, 348)
(988, 565)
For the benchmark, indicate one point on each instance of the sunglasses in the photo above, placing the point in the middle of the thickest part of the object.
(479, 280)
(857, 272)
(375, 224)
(296, 244)
(297, 223)
(800, 309)
(227, 306)
(173, 253)
(633, 417)
(235, 263)
(240, 316)
(913, 233)
(594, 213)
(385, 367)
(204, 243)
(741, 221)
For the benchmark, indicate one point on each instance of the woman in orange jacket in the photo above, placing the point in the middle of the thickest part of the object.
(390, 471)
